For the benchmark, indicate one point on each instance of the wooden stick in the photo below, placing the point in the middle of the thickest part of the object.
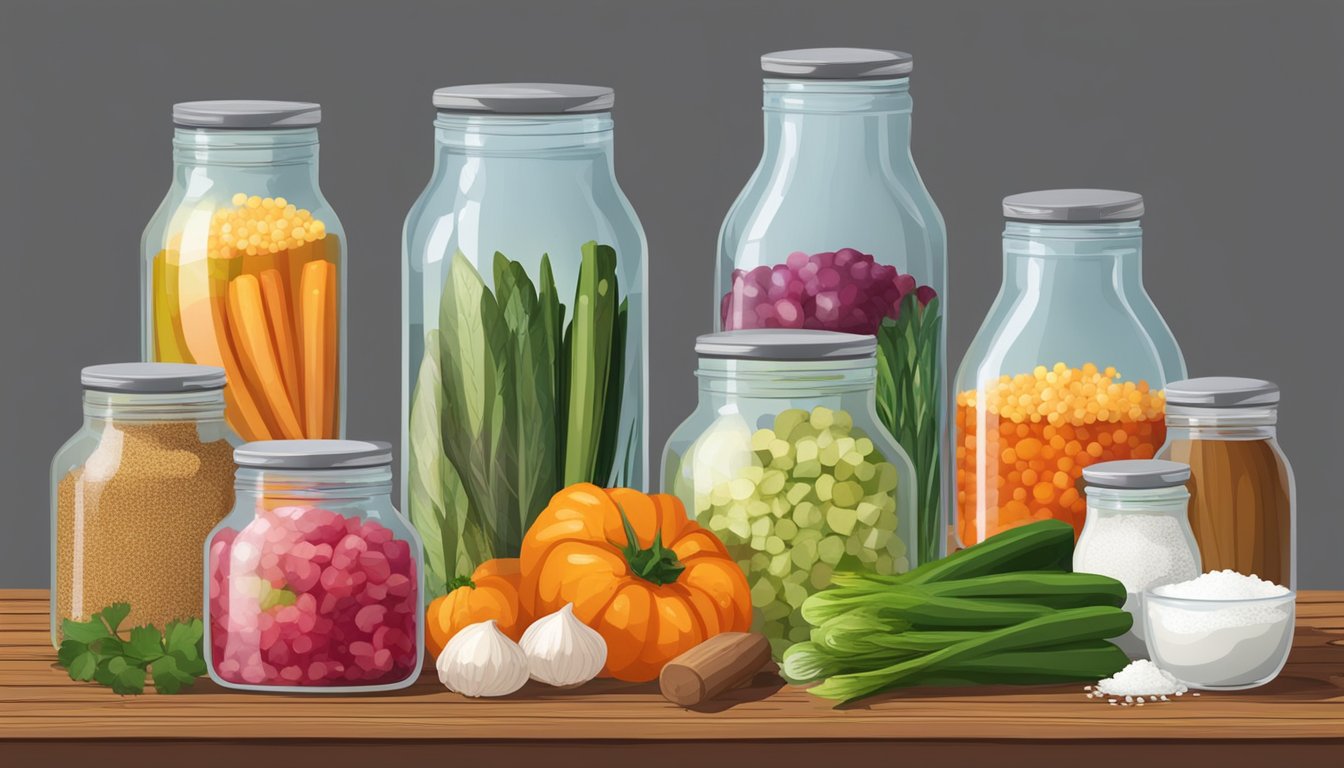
(722, 662)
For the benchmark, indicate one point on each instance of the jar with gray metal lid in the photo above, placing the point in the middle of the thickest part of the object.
(525, 267)
(785, 460)
(135, 491)
(836, 231)
(314, 582)
(243, 267)
(1064, 371)
(1243, 505)
(1137, 532)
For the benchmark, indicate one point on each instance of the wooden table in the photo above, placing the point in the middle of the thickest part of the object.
(46, 719)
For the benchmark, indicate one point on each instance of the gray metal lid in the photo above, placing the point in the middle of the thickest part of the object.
(152, 378)
(1137, 474)
(838, 64)
(313, 454)
(1222, 392)
(786, 344)
(1074, 205)
(525, 98)
(247, 113)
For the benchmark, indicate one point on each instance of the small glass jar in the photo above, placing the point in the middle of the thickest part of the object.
(242, 267)
(1063, 372)
(836, 231)
(524, 266)
(314, 580)
(135, 491)
(1137, 532)
(1242, 495)
(784, 459)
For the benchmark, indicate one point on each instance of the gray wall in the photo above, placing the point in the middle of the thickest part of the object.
(1225, 115)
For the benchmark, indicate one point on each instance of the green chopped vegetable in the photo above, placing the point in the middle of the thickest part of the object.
(511, 405)
(96, 650)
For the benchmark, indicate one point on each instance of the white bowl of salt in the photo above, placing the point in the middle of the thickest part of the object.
(1220, 631)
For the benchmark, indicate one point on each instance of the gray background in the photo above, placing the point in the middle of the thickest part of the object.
(1225, 115)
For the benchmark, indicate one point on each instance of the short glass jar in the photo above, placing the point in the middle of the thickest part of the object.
(1137, 532)
(784, 459)
(1242, 494)
(135, 491)
(314, 581)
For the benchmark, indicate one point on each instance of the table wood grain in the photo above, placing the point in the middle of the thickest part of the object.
(45, 714)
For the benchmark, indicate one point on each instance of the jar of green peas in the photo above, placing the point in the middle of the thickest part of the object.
(784, 459)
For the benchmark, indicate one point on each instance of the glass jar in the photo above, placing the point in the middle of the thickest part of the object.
(314, 579)
(524, 330)
(784, 459)
(1137, 532)
(135, 491)
(836, 231)
(242, 267)
(1243, 501)
(1062, 372)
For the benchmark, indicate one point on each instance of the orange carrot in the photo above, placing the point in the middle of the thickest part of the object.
(318, 329)
(282, 334)
(247, 322)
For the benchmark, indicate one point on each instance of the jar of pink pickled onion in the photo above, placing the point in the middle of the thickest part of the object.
(314, 580)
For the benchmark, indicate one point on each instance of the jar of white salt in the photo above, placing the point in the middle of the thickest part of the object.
(1137, 532)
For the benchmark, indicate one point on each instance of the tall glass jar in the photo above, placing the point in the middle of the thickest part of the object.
(786, 461)
(836, 231)
(1243, 498)
(1062, 372)
(314, 582)
(1137, 532)
(242, 267)
(524, 326)
(135, 491)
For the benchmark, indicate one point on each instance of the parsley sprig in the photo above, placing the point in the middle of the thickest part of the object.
(95, 650)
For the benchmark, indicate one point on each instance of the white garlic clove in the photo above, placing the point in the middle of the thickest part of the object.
(563, 651)
(480, 660)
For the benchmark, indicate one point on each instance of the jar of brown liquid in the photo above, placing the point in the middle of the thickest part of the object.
(136, 490)
(1242, 499)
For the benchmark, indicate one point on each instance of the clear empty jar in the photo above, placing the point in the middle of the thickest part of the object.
(1137, 532)
(314, 579)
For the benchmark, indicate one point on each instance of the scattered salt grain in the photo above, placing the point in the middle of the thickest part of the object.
(1141, 678)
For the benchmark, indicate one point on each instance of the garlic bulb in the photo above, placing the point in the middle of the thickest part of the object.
(482, 661)
(563, 651)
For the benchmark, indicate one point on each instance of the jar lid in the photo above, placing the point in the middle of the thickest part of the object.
(1222, 392)
(313, 454)
(247, 113)
(1137, 474)
(152, 378)
(525, 98)
(1076, 206)
(786, 344)
(838, 64)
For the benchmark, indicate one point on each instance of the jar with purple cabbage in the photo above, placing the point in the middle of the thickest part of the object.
(835, 231)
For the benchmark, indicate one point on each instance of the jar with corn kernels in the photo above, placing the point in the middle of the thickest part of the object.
(1067, 369)
(243, 267)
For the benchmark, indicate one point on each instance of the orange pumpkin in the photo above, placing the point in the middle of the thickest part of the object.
(490, 593)
(649, 579)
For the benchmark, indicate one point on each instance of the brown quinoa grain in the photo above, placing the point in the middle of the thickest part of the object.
(131, 522)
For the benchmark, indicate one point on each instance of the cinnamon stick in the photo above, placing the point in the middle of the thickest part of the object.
(724, 661)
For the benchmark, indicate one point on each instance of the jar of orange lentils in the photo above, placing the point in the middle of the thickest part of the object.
(1063, 372)
(243, 267)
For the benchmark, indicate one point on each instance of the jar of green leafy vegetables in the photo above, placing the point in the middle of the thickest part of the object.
(523, 321)
(787, 463)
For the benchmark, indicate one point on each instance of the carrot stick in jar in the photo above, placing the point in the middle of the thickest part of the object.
(247, 319)
(316, 288)
(276, 300)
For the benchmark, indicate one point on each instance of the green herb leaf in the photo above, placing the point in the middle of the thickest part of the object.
(184, 637)
(69, 651)
(81, 667)
(113, 615)
(84, 631)
(145, 645)
(168, 677)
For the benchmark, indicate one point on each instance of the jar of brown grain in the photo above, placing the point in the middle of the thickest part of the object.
(136, 490)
